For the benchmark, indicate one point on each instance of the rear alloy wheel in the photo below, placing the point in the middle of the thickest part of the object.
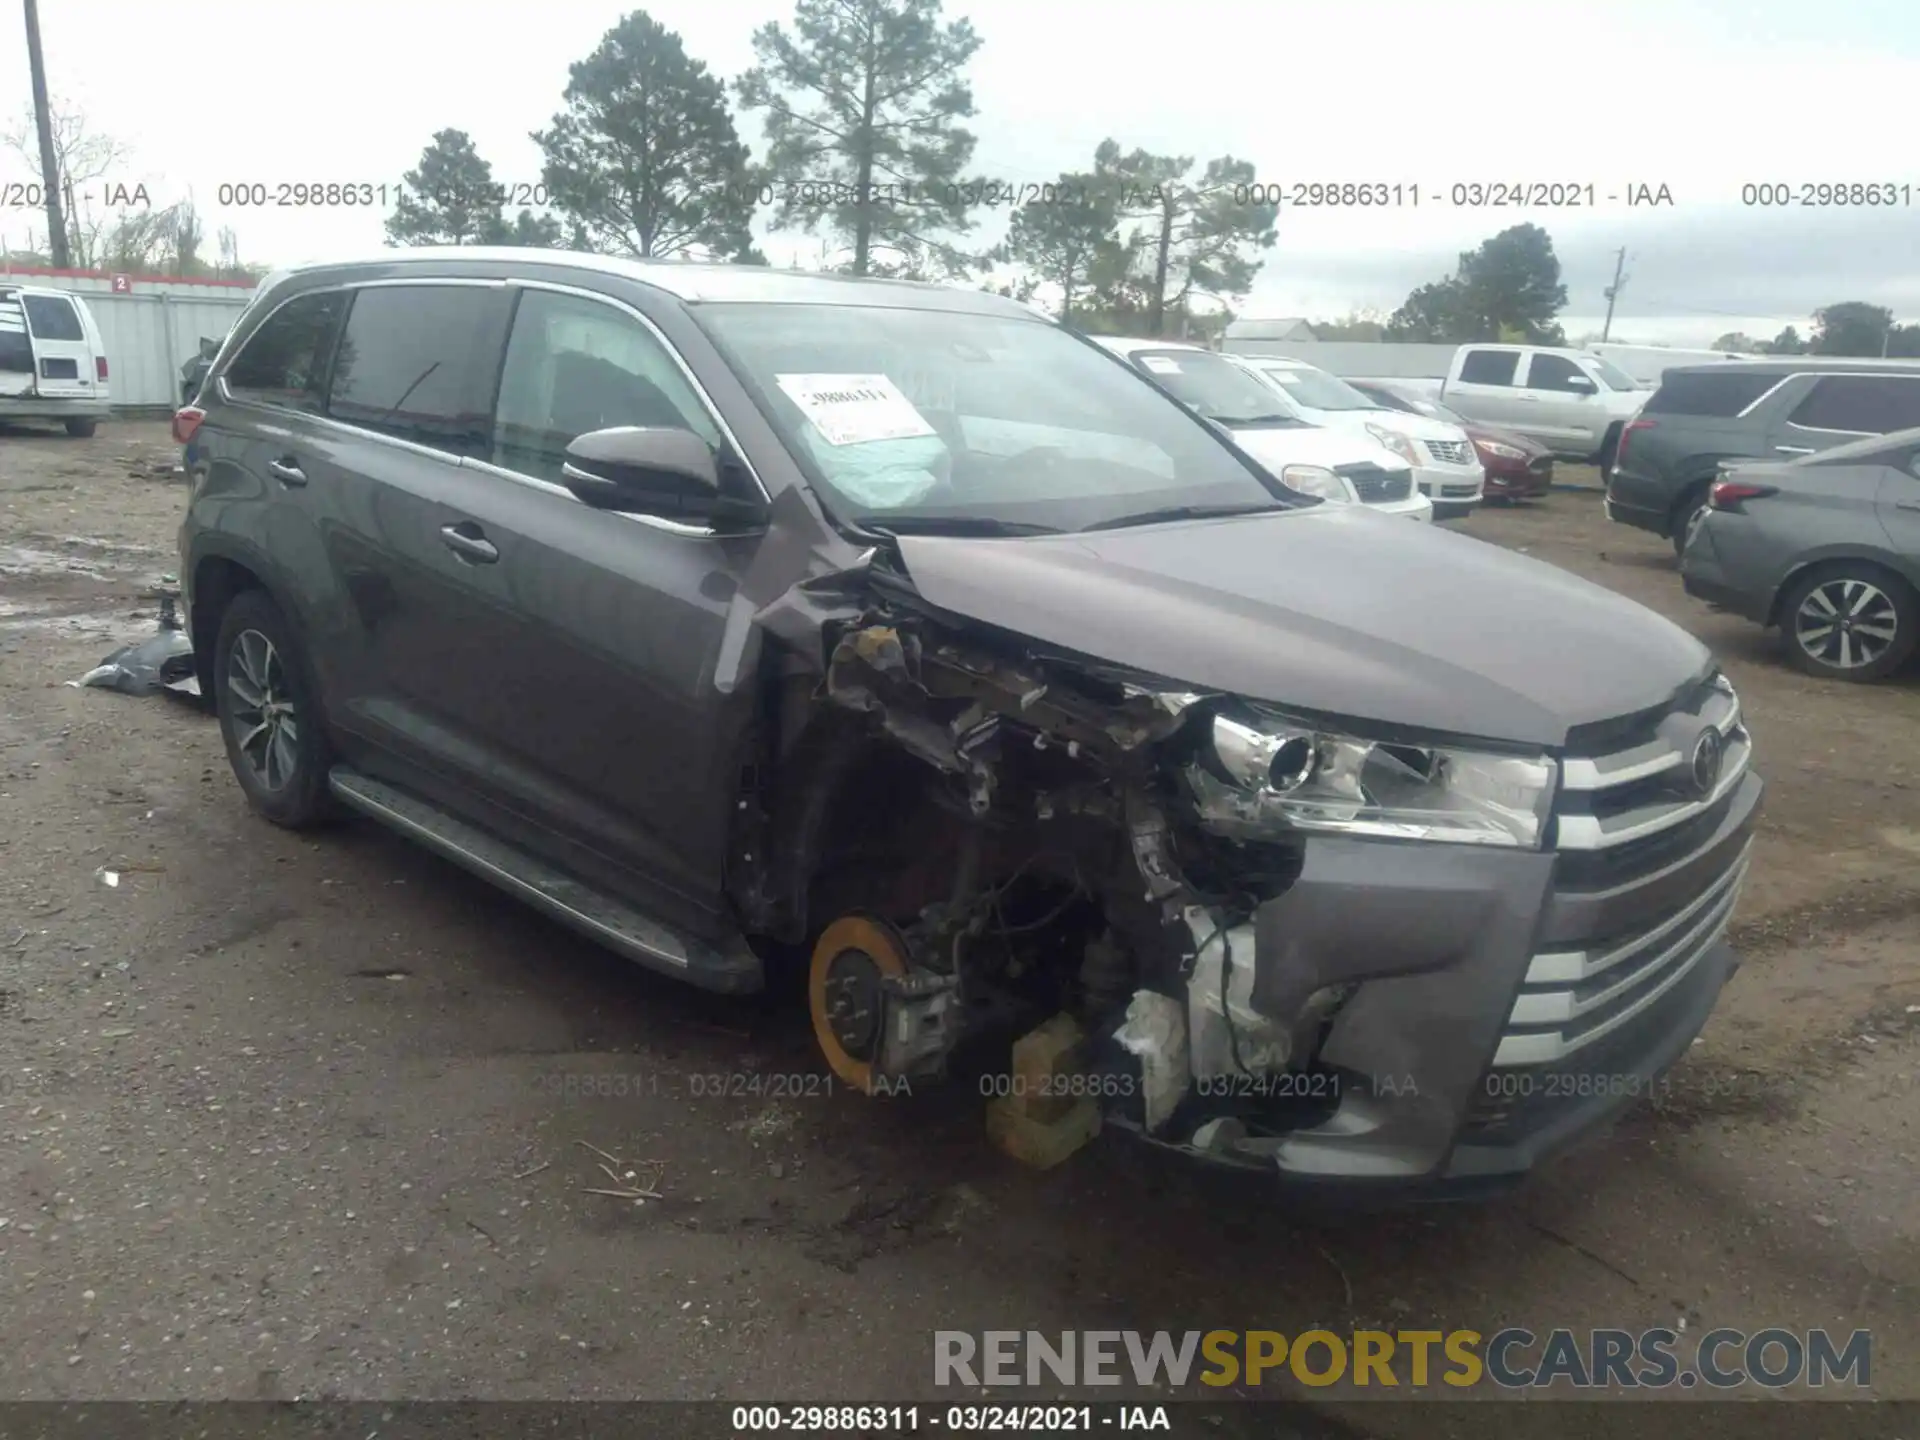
(1850, 623)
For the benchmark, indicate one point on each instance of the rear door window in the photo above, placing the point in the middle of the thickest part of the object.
(16, 346)
(284, 362)
(1717, 394)
(1489, 367)
(1861, 404)
(418, 362)
(52, 317)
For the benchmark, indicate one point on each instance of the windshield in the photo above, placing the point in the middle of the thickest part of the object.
(921, 416)
(1317, 390)
(1213, 385)
(1612, 376)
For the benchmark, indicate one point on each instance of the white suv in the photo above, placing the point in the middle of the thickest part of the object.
(1334, 464)
(1445, 465)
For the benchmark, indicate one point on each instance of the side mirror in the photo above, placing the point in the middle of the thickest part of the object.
(1581, 385)
(647, 470)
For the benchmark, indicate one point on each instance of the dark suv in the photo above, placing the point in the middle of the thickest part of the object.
(732, 615)
(1703, 415)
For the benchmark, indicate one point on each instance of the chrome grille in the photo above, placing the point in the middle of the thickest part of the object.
(1374, 485)
(1572, 998)
(1449, 452)
(1623, 815)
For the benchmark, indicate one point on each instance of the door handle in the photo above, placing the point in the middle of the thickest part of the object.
(466, 541)
(1906, 504)
(1794, 449)
(287, 472)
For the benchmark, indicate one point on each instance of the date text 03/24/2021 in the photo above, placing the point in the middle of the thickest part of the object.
(875, 1420)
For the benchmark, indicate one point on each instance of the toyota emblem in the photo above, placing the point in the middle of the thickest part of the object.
(1708, 751)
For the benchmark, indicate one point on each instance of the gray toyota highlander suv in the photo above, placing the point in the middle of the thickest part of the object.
(729, 614)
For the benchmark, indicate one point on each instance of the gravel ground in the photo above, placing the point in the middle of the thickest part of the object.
(296, 1117)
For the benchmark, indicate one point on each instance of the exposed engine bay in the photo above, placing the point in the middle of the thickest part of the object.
(985, 837)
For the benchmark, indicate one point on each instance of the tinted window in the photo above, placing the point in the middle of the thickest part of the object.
(1613, 377)
(1489, 367)
(575, 365)
(1869, 404)
(285, 362)
(1556, 372)
(1722, 392)
(52, 318)
(417, 362)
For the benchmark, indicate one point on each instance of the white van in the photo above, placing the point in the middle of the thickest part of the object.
(1333, 464)
(52, 364)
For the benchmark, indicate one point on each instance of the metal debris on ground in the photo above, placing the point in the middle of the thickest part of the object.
(164, 661)
(638, 1180)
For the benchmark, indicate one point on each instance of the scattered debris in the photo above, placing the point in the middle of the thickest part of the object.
(163, 661)
(638, 1181)
(543, 1165)
(109, 878)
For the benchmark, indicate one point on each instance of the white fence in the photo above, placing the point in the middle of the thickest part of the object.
(150, 326)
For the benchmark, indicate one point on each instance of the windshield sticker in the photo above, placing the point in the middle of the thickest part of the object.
(1160, 364)
(855, 409)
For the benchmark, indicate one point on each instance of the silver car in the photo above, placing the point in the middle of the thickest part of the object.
(1827, 547)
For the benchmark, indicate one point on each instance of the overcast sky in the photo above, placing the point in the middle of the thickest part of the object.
(1700, 96)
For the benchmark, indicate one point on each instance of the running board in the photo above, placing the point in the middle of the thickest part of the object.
(598, 916)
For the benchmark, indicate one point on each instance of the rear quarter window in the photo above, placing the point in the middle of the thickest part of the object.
(284, 362)
(1717, 393)
(1489, 367)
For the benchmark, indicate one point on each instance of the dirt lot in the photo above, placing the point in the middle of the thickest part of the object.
(290, 1117)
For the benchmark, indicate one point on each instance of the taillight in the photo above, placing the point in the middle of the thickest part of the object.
(1727, 494)
(100, 367)
(1626, 431)
(186, 422)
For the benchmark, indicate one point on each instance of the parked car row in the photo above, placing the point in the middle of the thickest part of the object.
(1516, 467)
(1790, 490)
(999, 673)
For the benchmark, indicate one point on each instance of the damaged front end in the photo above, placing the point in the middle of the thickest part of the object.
(992, 840)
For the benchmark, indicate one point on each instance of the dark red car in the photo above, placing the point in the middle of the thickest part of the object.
(1517, 468)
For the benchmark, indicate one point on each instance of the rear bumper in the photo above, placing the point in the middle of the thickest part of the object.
(1636, 500)
(40, 407)
(1443, 1081)
(1704, 575)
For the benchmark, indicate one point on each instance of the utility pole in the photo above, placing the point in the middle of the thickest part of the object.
(49, 166)
(1613, 290)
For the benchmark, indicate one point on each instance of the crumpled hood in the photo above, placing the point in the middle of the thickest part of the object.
(1329, 608)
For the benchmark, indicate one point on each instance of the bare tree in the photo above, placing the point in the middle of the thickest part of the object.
(81, 157)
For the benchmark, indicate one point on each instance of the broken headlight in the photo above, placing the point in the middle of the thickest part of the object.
(1255, 778)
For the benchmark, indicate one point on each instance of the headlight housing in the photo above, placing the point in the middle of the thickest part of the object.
(1317, 480)
(1265, 775)
(1499, 451)
(1394, 441)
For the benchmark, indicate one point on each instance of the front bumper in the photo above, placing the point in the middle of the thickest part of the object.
(1417, 506)
(1444, 1080)
(1521, 481)
(1452, 489)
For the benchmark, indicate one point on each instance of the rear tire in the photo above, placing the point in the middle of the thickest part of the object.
(1850, 621)
(82, 429)
(270, 714)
